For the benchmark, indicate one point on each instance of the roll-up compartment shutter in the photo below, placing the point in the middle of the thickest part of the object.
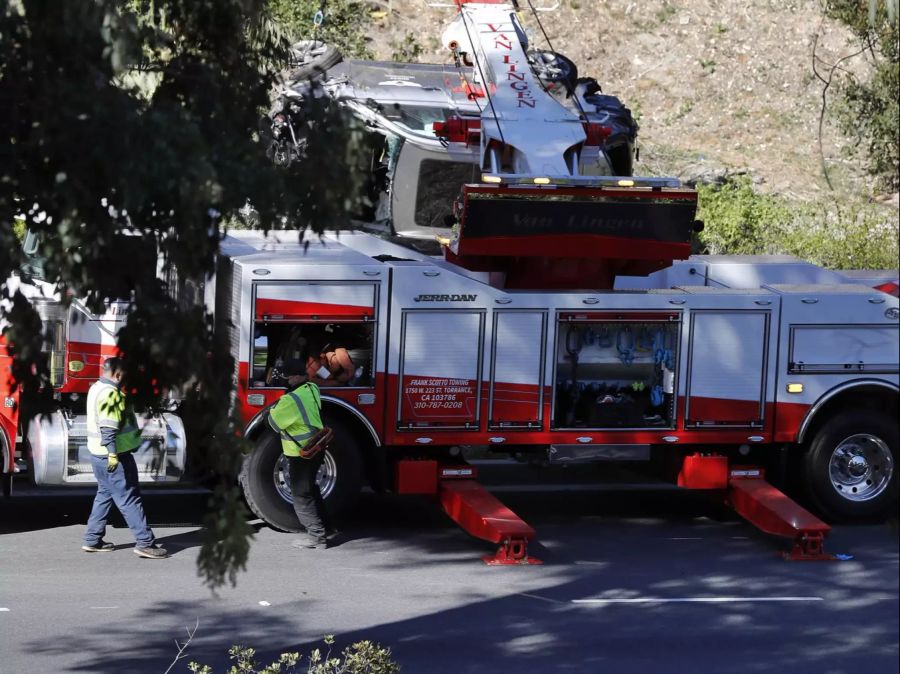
(727, 368)
(439, 369)
(844, 348)
(517, 369)
(310, 301)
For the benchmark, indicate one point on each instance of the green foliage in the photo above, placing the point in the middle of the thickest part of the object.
(363, 657)
(345, 24)
(407, 50)
(708, 65)
(740, 221)
(19, 228)
(868, 108)
(143, 116)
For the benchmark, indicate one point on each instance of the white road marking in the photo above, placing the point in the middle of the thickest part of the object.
(264, 603)
(692, 600)
(537, 596)
(4, 609)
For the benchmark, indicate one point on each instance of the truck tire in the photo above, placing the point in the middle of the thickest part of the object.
(267, 491)
(5, 478)
(850, 468)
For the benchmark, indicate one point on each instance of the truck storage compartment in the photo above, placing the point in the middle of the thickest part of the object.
(440, 366)
(334, 321)
(727, 365)
(517, 369)
(615, 370)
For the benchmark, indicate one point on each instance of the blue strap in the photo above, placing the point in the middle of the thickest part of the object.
(662, 349)
(644, 341)
(604, 338)
(625, 345)
(573, 342)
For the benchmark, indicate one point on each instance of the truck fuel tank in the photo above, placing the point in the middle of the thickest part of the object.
(60, 455)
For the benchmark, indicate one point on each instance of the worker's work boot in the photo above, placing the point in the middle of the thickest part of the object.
(152, 552)
(310, 543)
(99, 546)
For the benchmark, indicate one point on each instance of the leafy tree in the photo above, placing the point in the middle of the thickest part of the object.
(869, 108)
(839, 236)
(344, 23)
(142, 117)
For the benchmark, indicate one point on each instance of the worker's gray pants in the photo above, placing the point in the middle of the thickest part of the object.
(308, 502)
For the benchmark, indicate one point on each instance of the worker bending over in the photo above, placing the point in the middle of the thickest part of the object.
(297, 416)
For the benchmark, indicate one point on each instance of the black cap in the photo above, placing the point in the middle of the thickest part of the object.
(292, 367)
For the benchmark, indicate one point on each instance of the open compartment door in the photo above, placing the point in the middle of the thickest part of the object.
(616, 370)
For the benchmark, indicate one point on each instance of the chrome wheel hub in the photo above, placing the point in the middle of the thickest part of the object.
(861, 467)
(326, 478)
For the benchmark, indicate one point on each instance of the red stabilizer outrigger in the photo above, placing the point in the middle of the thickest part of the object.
(771, 511)
(758, 502)
(479, 512)
(470, 505)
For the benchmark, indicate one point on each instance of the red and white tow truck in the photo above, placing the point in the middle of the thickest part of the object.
(561, 320)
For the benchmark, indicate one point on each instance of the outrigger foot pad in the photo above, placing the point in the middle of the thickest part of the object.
(512, 551)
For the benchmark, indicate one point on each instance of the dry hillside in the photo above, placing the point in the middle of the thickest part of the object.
(718, 87)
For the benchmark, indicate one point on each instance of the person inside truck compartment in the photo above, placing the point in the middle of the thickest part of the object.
(290, 344)
(332, 367)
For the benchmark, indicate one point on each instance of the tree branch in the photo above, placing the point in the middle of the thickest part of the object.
(183, 647)
(827, 82)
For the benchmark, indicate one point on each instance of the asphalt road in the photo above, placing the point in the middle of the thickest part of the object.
(636, 581)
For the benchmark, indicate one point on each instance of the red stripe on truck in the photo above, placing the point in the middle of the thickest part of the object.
(272, 309)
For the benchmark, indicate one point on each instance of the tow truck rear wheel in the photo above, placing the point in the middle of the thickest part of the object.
(851, 466)
(267, 490)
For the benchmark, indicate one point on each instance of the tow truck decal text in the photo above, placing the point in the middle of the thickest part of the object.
(517, 82)
(445, 298)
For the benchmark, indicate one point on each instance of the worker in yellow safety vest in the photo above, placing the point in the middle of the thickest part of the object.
(113, 436)
(296, 417)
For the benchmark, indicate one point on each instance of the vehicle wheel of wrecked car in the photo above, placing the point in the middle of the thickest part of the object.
(554, 70)
(282, 153)
(311, 58)
(280, 133)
